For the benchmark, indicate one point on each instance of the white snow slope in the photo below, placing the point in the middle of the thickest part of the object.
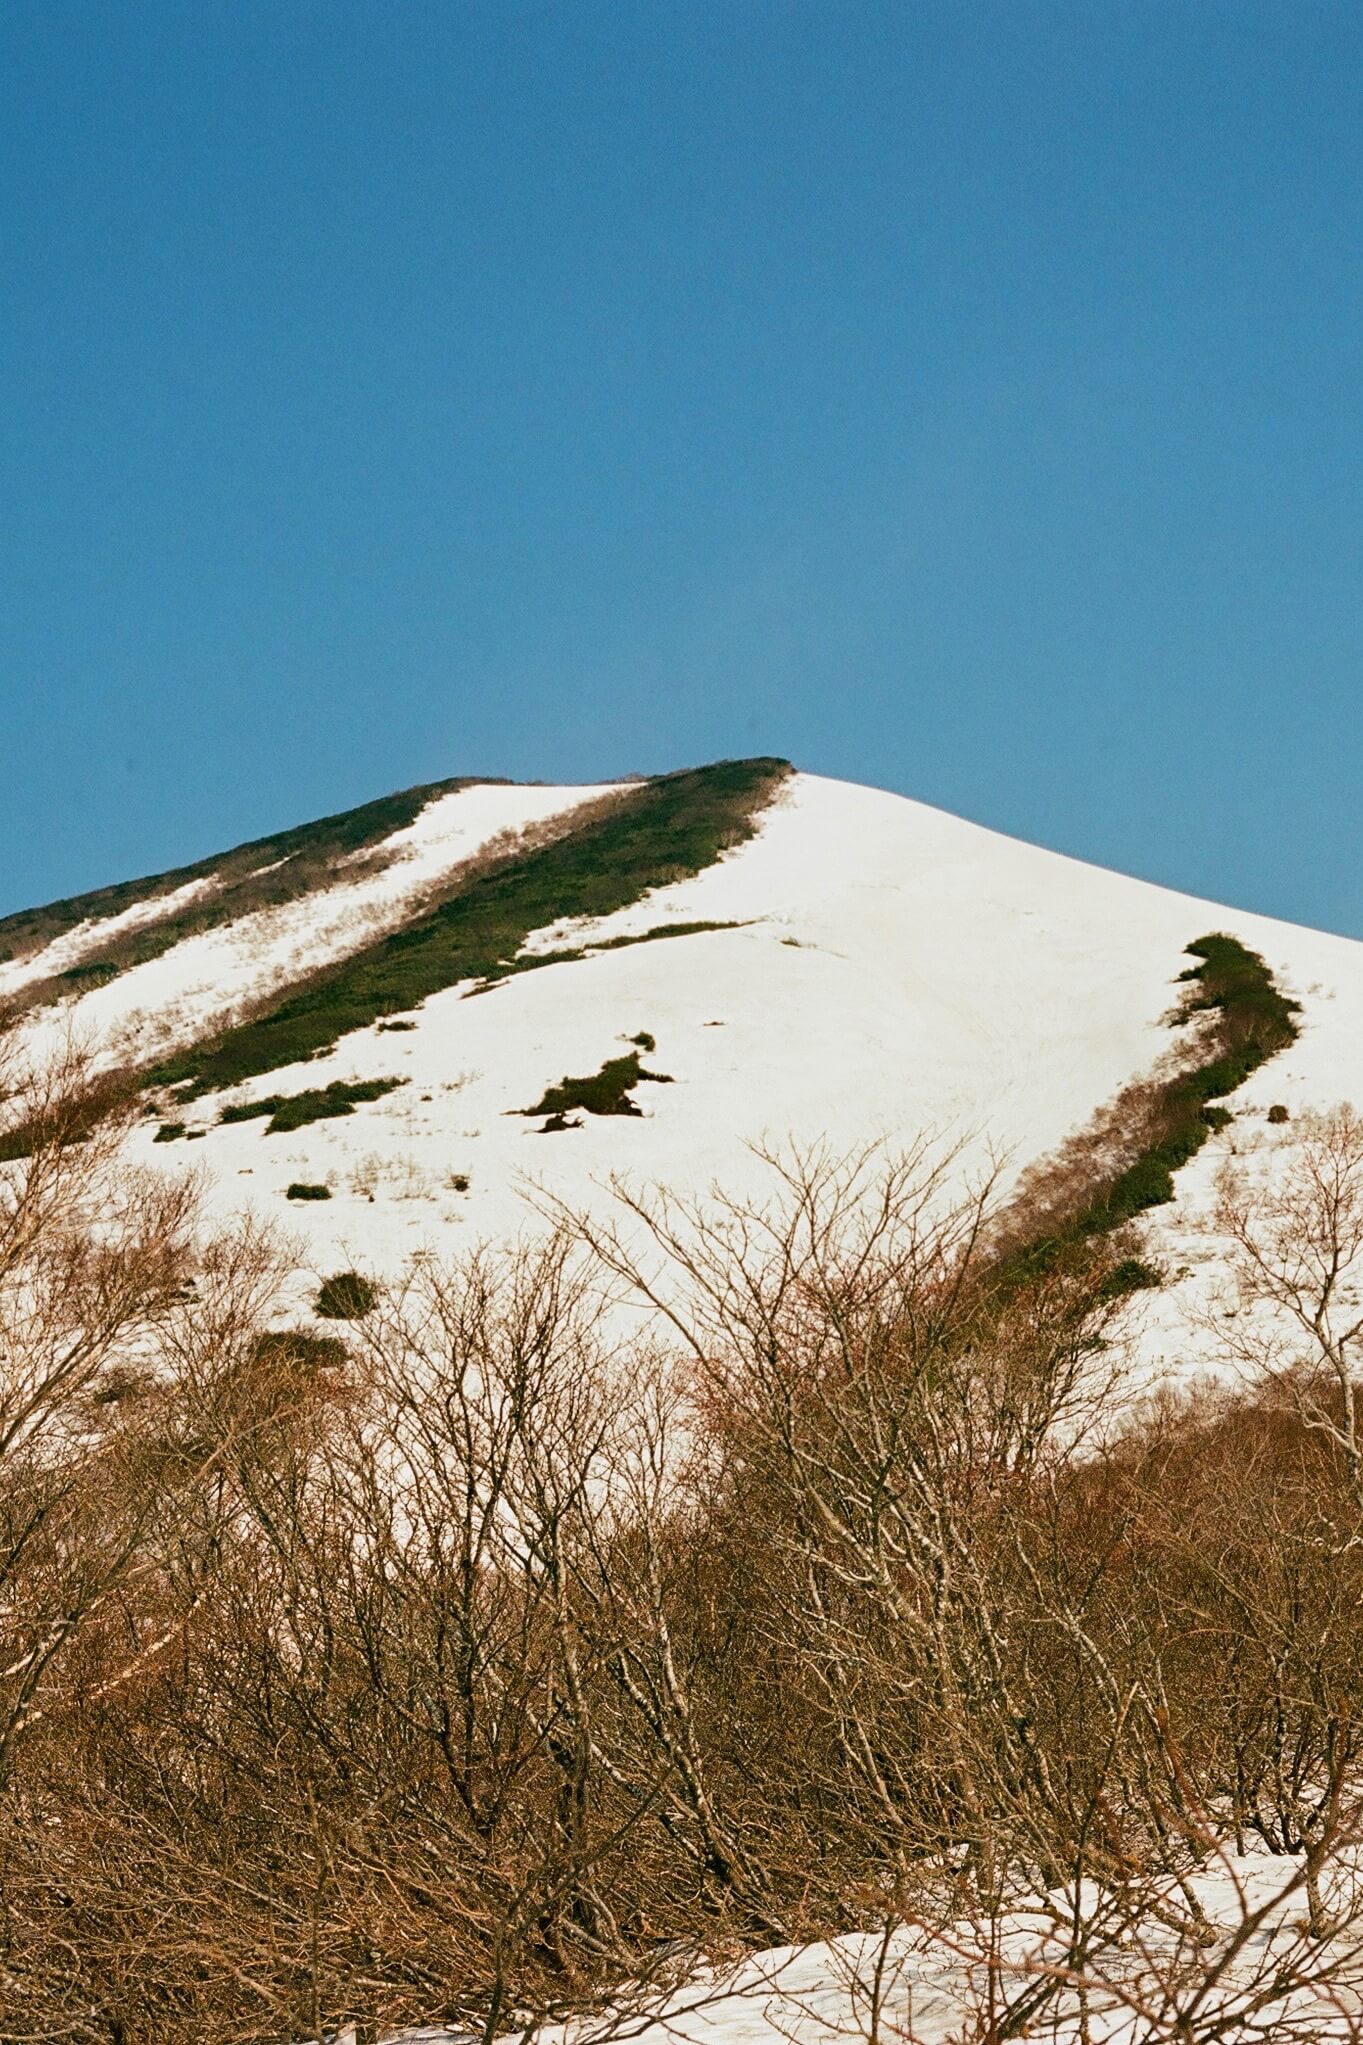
(898, 971)
(201, 980)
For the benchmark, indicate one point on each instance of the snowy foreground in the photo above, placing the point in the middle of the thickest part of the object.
(1256, 1974)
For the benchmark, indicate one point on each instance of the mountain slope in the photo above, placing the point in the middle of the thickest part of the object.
(859, 968)
(489, 1558)
(100, 933)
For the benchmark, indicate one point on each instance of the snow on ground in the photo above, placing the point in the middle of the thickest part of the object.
(173, 997)
(899, 971)
(909, 1986)
(72, 946)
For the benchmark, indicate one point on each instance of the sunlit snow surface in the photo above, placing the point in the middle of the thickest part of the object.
(899, 971)
(919, 1986)
(200, 980)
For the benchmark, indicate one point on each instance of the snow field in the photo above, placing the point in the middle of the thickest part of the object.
(911, 1986)
(899, 972)
(69, 949)
(203, 978)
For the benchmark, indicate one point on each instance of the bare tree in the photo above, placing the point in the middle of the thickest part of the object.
(1296, 1240)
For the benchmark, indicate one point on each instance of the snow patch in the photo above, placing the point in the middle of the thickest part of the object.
(203, 979)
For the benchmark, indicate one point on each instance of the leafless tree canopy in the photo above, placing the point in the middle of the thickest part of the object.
(494, 1658)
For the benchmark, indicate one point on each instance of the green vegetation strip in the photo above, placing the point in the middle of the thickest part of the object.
(316, 1104)
(660, 832)
(529, 962)
(606, 1092)
(1253, 1021)
(262, 874)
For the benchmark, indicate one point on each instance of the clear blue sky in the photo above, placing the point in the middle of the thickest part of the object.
(959, 397)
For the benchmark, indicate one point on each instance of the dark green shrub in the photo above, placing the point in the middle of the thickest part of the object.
(606, 1092)
(315, 1104)
(1277, 1113)
(300, 1346)
(300, 1190)
(345, 1296)
(169, 1132)
(659, 930)
(1217, 1117)
(1131, 1275)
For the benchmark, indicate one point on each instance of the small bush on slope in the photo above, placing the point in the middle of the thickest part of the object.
(315, 1104)
(606, 1092)
(300, 1349)
(345, 1296)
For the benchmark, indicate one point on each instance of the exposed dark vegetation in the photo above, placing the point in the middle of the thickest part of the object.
(302, 1189)
(662, 930)
(345, 1296)
(656, 833)
(607, 1092)
(297, 1348)
(1277, 1113)
(314, 1104)
(1125, 1164)
(95, 972)
(169, 1132)
(298, 860)
(567, 955)
(469, 1668)
(1129, 1274)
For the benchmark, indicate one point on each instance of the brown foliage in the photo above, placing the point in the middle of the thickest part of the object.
(505, 1656)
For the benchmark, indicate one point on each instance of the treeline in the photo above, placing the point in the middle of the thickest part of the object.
(502, 1657)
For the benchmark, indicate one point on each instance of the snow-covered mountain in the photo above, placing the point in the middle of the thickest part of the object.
(404, 1030)
(820, 963)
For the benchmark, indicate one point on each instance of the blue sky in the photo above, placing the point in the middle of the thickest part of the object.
(963, 398)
